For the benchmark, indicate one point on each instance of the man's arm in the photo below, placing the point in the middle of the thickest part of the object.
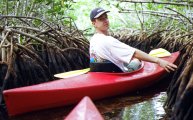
(145, 57)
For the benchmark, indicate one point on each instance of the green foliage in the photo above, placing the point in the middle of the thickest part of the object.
(37, 22)
(149, 6)
(39, 1)
(21, 39)
(79, 10)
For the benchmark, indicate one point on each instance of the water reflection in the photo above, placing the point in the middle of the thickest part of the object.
(151, 109)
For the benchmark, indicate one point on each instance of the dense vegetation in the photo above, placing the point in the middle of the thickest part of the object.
(42, 37)
(138, 14)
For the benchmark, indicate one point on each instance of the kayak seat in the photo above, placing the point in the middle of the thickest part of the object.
(104, 67)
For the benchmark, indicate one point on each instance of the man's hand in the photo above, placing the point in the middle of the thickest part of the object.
(166, 65)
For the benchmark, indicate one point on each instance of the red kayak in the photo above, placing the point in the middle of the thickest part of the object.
(68, 91)
(85, 110)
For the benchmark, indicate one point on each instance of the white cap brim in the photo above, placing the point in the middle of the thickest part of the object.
(101, 14)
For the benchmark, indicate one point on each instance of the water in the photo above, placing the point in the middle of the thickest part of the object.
(146, 104)
(151, 109)
(140, 108)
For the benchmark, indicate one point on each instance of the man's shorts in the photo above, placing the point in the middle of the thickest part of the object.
(133, 65)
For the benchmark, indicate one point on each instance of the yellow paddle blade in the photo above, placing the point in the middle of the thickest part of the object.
(72, 73)
(160, 52)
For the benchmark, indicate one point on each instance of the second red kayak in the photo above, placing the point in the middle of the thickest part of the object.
(85, 110)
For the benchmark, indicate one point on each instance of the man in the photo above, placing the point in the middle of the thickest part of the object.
(106, 49)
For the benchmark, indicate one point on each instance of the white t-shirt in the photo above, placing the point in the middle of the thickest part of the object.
(104, 47)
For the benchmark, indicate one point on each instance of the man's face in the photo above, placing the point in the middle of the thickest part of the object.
(101, 23)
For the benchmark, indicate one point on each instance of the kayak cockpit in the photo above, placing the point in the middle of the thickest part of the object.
(124, 73)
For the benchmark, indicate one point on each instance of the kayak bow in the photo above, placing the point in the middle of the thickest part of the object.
(85, 110)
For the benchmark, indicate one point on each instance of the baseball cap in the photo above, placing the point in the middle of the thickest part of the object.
(97, 12)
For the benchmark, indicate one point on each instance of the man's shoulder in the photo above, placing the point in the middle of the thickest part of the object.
(103, 39)
(97, 35)
(98, 38)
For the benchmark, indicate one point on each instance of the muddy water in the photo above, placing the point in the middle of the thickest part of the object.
(146, 104)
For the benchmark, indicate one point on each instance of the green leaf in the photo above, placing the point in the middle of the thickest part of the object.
(149, 6)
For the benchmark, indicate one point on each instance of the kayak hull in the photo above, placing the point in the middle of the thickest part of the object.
(68, 91)
(84, 110)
